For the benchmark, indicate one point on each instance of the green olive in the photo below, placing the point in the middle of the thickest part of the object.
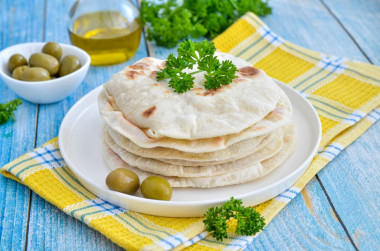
(15, 61)
(123, 180)
(53, 49)
(45, 61)
(156, 188)
(35, 74)
(69, 64)
(17, 72)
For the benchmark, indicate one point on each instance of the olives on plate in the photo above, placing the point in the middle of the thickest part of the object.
(35, 74)
(17, 72)
(15, 61)
(45, 61)
(157, 188)
(53, 49)
(123, 180)
(69, 64)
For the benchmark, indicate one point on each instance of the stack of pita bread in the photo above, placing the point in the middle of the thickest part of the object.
(201, 138)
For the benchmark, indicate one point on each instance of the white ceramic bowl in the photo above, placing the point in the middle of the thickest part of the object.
(43, 92)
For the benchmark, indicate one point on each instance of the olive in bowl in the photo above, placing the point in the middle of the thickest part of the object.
(53, 49)
(15, 61)
(49, 63)
(49, 91)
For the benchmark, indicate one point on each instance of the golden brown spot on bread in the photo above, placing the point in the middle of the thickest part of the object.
(110, 100)
(260, 128)
(218, 141)
(148, 60)
(139, 66)
(249, 71)
(237, 80)
(212, 92)
(168, 92)
(197, 89)
(149, 112)
(153, 74)
(133, 74)
(277, 113)
(156, 84)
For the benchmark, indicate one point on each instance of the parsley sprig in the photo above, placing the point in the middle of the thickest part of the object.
(202, 53)
(6, 110)
(170, 21)
(249, 221)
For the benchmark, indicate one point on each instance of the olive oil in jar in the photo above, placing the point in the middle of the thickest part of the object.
(107, 36)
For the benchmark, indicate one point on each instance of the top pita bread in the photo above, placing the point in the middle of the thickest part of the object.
(116, 120)
(197, 114)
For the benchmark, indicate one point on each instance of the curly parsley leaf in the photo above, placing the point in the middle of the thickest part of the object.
(7, 109)
(169, 22)
(249, 221)
(189, 54)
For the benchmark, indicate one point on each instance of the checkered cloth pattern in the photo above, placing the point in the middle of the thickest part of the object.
(346, 95)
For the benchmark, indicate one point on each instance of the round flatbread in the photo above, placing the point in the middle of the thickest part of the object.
(233, 152)
(120, 125)
(195, 114)
(159, 167)
(243, 175)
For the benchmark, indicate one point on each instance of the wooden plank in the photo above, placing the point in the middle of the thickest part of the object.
(17, 137)
(309, 24)
(352, 183)
(50, 228)
(306, 223)
(361, 20)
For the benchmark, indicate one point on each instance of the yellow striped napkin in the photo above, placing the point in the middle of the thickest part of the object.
(346, 95)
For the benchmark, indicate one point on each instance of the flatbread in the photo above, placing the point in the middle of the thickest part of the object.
(195, 114)
(233, 152)
(243, 175)
(116, 120)
(159, 167)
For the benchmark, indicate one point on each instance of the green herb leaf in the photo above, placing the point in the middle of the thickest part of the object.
(189, 54)
(6, 110)
(249, 221)
(168, 22)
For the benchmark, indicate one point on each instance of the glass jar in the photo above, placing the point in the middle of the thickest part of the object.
(108, 30)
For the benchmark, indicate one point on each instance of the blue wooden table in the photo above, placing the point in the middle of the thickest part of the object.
(338, 209)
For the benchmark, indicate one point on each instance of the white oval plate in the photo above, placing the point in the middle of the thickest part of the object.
(80, 142)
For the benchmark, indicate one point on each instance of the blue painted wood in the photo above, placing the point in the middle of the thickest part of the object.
(359, 204)
(352, 182)
(309, 24)
(364, 26)
(307, 223)
(16, 138)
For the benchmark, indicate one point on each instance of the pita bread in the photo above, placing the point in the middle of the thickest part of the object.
(195, 114)
(116, 120)
(159, 167)
(243, 175)
(233, 152)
